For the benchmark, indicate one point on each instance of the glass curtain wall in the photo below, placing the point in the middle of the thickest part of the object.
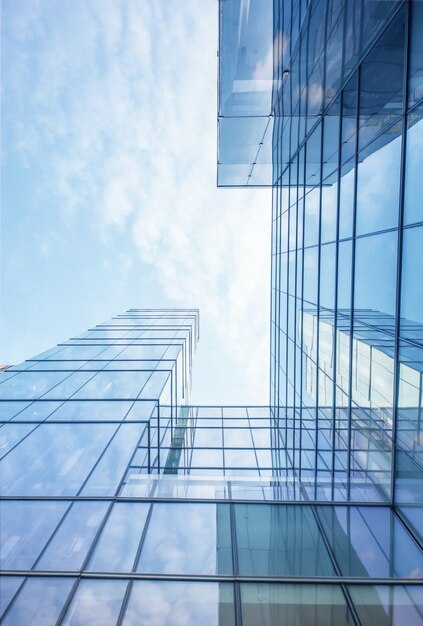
(346, 371)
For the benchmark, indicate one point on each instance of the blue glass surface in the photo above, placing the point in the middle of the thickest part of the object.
(9, 585)
(11, 435)
(54, 460)
(378, 185)
(176, 603)
(412, 286)
(118, 543)
(172, 528)
(110, 469)
(69, 546)
(25, 528)
(96, 602)
(39, 602)
(376, 261)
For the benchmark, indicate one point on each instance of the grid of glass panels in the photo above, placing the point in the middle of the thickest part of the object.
(124, 507)
(75, 417)
(64, 560)
(347, 323)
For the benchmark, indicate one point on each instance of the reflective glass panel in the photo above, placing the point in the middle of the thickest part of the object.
(96, 602)
(70, 544)
(370, 542)
(179, 603)
(305, 605)
(118, 543)
(281, 540)
(39, 602)
(378, 185)
(8, 587)
(413, 203)
(171, 529)
(25, 529)
(412, 286)
(388, 606)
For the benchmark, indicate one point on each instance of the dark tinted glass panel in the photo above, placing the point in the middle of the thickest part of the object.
(381, 85)
(415, 85)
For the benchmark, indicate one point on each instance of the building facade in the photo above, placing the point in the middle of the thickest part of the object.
(347, 239)
(123, 504)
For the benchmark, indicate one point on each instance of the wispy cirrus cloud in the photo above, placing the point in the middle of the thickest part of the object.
(120, 100)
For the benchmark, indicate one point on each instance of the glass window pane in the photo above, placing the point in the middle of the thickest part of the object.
(329, 209)
(71, 543)
(100, 410)
(346, 201)
(413, 198)
(382, 81)
(378, 184)
(370, 541)
(237, 437)
(109, 472)
(57, 457)
(114, 385)
(25, 529)
(376, 262)
(206, 458)
(208, 437)
(12, 434)
(412, 285)
(29, 385)
(305, 605)
(95, 602)
(9, 585)
(388, 606)
(10, 409)
(37, 411)
(165, 546)
(280, 540)
(415, 85)
(240, 458)
(120, 538)
(179, 603)
(39, 602)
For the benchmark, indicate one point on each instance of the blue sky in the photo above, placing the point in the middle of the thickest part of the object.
(109, 196)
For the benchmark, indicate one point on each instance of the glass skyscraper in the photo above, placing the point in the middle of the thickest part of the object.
(124, 504)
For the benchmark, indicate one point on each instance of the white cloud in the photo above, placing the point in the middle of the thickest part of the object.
(124, 104)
